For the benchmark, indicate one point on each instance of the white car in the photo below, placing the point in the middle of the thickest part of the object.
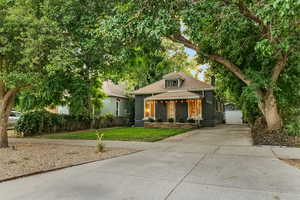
(13, 117)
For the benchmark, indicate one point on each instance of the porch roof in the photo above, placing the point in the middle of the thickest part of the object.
(175, 96)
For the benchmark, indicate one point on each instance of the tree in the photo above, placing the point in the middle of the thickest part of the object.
(46, 51)
(28, 49)
(257, 41)
(147, 65)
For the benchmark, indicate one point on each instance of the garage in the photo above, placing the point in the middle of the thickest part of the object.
(233, 115)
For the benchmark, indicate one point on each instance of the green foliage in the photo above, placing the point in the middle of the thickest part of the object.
(110, 117)
(38, 122)
(181, 120)
(48, 48)
(252, 42)
(151, 119)
(171, 120)
(293, 128)
(32, 123)
(191, 120)
(159, 120)
(148, 63)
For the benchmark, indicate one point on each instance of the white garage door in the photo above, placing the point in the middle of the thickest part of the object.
(234, 117)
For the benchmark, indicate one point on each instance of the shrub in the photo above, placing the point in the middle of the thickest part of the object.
(293, 128)
(191, 120)
(110, 117)
(151, 119)
(39, 122)
(171, 120)
(181, 120)
(159, 120)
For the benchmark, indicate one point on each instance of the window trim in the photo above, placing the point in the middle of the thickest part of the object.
(170, 83)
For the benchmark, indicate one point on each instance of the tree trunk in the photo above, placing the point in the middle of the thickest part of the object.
(268, 107)
(6, 104)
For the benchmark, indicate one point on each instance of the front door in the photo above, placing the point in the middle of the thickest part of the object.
(181, 112)
(161, 111)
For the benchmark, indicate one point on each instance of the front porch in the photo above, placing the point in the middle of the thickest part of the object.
(173, 109)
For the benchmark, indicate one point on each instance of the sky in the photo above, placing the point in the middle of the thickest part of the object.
(191, 52)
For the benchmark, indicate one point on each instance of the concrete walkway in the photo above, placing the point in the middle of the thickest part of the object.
(211, 163)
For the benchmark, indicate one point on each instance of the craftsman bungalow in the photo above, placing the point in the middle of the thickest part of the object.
(175, 101)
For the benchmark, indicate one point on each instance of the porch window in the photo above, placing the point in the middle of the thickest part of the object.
(149, 109)
(171, 109)
(195, 108)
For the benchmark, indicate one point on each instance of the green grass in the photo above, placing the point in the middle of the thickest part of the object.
(125, 134)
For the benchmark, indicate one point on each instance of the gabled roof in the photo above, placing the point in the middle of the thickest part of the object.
(189, 84)
(113, 90)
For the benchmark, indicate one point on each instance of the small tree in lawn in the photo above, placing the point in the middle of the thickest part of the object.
(257, 41)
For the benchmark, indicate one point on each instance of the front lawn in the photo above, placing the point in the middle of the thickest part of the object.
(125, 134)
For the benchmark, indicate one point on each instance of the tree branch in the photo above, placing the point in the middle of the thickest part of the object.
(11, 93)
(247, 13)
(265, 29)
(280, 64)
(221, 60)
(180, 39)
(231, 67)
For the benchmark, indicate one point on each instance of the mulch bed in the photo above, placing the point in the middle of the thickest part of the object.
(261, 136)
(25, 159)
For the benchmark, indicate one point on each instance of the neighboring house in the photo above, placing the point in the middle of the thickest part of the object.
(115, 103)
(180, 97)
(233, 115)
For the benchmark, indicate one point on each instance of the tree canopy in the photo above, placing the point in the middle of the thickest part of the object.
(252, 43)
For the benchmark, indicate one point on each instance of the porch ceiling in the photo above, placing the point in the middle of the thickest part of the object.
(175, 96)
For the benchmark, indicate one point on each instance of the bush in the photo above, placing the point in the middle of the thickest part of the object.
(39, 122)
(151, 120)
(181, 120)
(170, 120)
(32, 123)
(191, 121)
(293, 128)
(110, 117)
(159, 120)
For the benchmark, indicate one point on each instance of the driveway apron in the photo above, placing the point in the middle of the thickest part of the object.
(208, 163)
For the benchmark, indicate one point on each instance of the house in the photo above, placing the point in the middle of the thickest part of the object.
(177, 99)
(114, 103)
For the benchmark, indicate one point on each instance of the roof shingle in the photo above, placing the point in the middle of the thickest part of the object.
(189, 84)
(111, 89)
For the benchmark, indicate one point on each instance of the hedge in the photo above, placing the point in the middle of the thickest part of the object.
(41, 122)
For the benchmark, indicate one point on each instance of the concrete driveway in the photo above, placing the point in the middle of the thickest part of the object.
(211, 163)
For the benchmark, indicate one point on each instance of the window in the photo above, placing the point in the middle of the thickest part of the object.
(117, 108)
(171, 109)
(195, 108)
(149, 109)
(171, 83)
